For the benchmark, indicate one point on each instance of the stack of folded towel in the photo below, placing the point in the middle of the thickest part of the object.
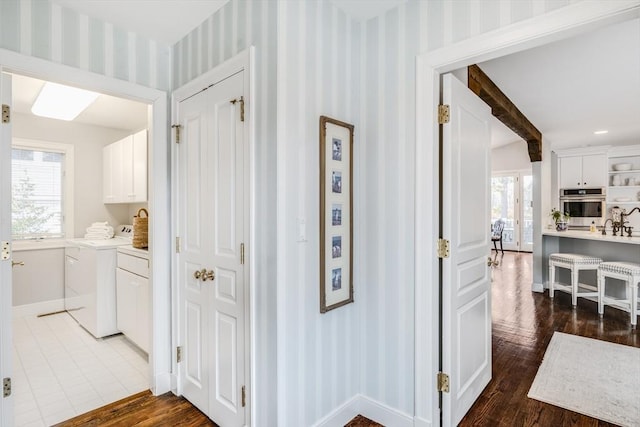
(99, 231)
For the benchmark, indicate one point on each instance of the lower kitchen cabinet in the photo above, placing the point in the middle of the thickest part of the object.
(132, 294)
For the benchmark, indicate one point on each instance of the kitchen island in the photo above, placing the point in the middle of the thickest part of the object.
(608, 247)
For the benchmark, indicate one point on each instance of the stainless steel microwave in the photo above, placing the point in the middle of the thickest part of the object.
(585, 205)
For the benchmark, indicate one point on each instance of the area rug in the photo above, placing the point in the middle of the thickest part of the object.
(592, 377)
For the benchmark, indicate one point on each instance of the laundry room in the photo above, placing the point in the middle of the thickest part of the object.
(80, 260)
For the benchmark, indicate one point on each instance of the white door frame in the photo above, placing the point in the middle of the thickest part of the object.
(159, 242)
(576, 18)
(6, 341)
(245, 60)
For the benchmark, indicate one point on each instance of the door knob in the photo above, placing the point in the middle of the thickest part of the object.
(204, 275)
(14, 263)
(208, 275)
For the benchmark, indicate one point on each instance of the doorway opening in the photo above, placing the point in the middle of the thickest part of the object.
(69, 353)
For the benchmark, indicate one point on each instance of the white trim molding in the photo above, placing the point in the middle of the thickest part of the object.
(369, 408)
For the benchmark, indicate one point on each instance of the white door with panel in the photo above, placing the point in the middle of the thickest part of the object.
(6, 346)
(466, 278)
(212, 227)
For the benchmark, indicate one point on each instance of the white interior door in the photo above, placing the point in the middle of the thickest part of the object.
(212, 226)
(466, 290)
(6, 405)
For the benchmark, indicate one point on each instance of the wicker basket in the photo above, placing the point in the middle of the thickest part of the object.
(141, 229)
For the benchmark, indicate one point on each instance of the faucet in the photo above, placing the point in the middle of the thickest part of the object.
(623, 222)
(615, 227)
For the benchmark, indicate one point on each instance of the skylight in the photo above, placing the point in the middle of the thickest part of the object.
(62, 102)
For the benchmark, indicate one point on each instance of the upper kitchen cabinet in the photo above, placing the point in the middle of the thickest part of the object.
(125, 170)
(582, 170)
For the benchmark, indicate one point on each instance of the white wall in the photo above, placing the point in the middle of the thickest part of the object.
(87, 141)
(510, 157)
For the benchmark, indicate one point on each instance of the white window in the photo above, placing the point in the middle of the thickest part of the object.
(42, 189)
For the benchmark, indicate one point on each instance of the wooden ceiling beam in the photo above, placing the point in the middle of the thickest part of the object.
(505, 110)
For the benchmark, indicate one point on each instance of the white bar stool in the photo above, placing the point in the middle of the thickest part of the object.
(629, 273)
(575, 263)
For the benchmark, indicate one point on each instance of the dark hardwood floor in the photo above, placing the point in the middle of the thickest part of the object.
(143, 410)
(523, 323)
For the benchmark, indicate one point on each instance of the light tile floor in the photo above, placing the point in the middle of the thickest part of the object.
(61, 370)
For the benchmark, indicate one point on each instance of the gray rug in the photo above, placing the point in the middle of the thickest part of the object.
(592, 377)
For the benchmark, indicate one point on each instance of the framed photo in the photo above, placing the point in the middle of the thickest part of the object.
(336, 213)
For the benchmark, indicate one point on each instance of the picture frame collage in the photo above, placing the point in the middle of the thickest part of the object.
(336, 213)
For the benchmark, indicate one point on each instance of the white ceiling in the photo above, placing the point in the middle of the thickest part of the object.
(573, 87)
(106, 111)
(166, 21)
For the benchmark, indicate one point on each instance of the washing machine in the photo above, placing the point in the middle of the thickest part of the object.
(90, 281)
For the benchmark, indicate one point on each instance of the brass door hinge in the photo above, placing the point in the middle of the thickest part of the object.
(6, 113)
(244, 397)
(5, 251)
(241, 101)
(177, 128)
(443, 248)
(241, 253)
(178, 354)
(443, 114)
(443, 382)
(6, 387)
(177, 245)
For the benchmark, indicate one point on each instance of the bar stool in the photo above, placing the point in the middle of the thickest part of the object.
(575, 263)
(629, 273)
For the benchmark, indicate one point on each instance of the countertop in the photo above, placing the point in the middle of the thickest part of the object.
(129, 249)
(579, 234)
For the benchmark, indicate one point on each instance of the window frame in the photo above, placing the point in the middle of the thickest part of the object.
(67, 150)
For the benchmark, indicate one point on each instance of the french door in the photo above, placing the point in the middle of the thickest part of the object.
(512, 201)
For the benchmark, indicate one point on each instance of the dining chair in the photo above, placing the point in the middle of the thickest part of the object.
(496, 234)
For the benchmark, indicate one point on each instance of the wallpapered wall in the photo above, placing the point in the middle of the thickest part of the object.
(48, 31)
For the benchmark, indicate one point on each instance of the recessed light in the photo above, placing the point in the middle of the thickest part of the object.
(62, 102)
(600, 132)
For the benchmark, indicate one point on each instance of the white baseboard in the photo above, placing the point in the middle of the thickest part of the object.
(44, 307)
(342, 414)
(161, 384)
(538, 287)
(367, 407)
(383, 414)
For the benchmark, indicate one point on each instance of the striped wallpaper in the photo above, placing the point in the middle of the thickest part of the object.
(311, 60)
(363, 73)
(319, 355)
(48, 31)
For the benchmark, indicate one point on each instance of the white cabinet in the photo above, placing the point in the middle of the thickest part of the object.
(125, 170)
(132, 295)
(587, 171)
